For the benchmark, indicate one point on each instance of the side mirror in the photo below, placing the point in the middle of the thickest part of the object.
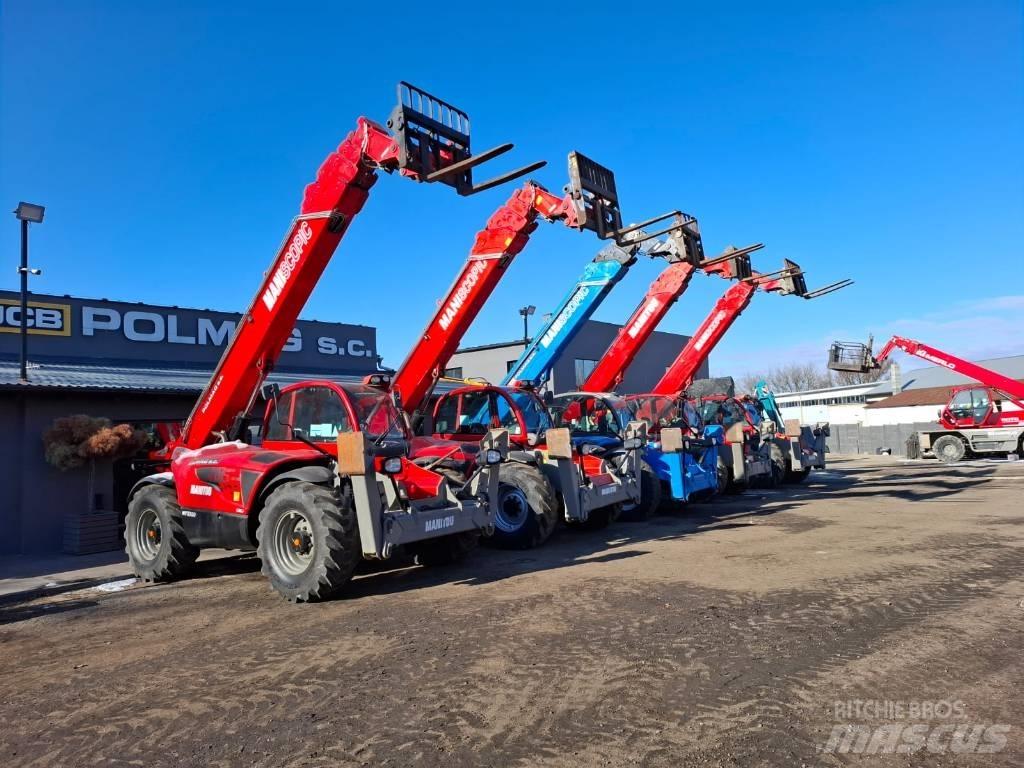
(270, 391)
(549, 398)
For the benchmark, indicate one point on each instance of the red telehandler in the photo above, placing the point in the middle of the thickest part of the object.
(545, 479)
(975, 421)
(331, 482)
(765, 450)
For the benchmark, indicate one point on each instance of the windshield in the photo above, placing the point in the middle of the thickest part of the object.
(384, 419)
(588, 415)
(660, 411)
(534, 413)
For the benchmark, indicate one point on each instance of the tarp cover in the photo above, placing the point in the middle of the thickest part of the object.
(719, 385)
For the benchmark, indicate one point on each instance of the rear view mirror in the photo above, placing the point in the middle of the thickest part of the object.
(270, 391)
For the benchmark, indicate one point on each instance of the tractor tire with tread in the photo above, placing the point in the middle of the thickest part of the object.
(155, 541)
(650, 496)
(308, 540)
(528, 508)
(445, 550)
(599, 518)
(949, 449)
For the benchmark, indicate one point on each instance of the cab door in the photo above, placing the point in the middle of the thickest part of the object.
(319, 411)
(970, 408)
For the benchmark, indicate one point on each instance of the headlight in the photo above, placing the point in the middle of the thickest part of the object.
(393, 465)
(632, 444)
(492, 456)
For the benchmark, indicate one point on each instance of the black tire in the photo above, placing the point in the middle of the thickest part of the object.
(732, 487)
(528, 509)
(154, 535)
(777, 464)
(650, 497)
(308, 540)
(798, 476)
(599, 519)
(444, 550)
(724, 475)
(949, 449)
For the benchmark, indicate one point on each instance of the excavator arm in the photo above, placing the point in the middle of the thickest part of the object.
(428, 142)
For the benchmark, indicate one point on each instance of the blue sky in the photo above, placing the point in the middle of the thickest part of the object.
(882, 141)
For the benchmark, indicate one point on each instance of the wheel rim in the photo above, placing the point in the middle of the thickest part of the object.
(949, 450)
(513, 510)
(294, 545)
(148, 534)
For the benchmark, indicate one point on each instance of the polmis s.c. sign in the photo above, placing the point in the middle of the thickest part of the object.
(69, 328)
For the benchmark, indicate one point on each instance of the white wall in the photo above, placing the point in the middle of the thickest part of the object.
(908, 414)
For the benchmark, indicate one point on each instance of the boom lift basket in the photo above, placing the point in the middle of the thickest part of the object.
(851, 356)
(433, 142)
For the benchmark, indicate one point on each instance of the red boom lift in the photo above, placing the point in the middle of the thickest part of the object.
(331, 482)
(589, 487)
(974, 421)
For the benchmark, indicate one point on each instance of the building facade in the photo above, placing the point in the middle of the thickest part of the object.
(131, 363)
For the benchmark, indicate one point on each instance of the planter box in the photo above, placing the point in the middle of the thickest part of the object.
(91, 532)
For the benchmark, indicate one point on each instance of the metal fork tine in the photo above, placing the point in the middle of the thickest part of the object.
(832, 288)
(470, 162)
(506, 177)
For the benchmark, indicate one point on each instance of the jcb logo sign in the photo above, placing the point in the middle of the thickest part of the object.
(41, 319)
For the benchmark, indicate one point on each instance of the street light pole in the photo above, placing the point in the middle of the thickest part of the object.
(526, 312)
(25, 213)
(23, 321)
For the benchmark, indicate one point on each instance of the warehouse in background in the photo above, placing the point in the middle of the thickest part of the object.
(131, 363)
(492, 361)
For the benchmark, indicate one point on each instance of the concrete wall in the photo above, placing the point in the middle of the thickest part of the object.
(857, 438)
(907, 414)
(35, 497)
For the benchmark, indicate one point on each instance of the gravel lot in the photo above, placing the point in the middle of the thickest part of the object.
(741, 632)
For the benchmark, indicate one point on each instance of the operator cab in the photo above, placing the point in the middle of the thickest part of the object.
(467, 414)
(321, 410)
(969, 407)
(661, 411)
(592, 419)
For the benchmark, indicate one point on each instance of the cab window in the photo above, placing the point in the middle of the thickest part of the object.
(534, 413)
(960, 405)
(279, 417)
(505, 416)
(317, 411)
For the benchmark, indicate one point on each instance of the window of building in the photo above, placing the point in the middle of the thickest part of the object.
(583, 369)
(510, 365)
(453, 373)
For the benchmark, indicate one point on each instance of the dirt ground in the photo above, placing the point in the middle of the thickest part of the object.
(741, 632)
